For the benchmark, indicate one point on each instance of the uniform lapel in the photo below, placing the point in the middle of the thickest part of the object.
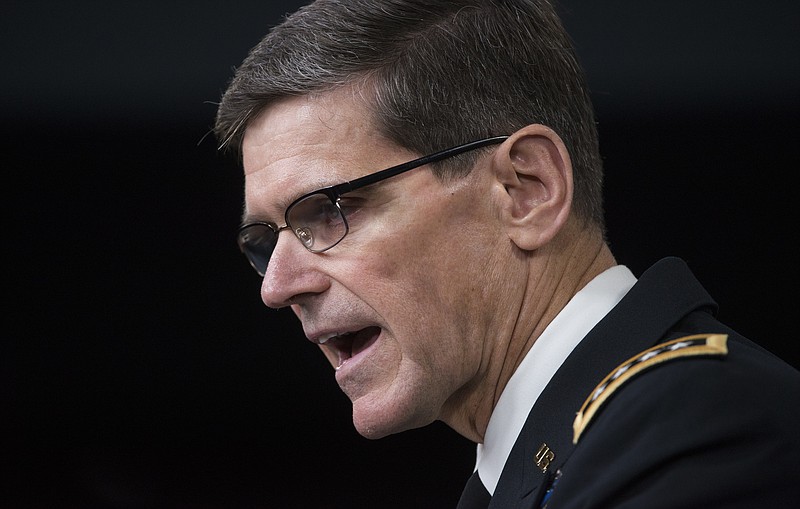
(475, 495)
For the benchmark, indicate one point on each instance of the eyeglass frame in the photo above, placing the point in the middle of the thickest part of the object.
(335, 192)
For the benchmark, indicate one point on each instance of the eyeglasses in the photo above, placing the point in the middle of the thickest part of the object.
(317, 218)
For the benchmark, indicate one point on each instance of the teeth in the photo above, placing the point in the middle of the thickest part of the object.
(324, 339)
(327, 337)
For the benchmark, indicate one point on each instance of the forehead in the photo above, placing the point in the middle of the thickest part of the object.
(302, 143)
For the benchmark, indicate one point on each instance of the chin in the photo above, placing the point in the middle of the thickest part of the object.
(372, 423)
(371, 433)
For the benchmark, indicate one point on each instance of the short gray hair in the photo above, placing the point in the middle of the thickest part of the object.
(437, 74)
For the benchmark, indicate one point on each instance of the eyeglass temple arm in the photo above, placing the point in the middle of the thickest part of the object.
(410, 165)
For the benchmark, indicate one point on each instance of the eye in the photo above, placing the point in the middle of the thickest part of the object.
(314, 211)
(350, 206)
(329, 214)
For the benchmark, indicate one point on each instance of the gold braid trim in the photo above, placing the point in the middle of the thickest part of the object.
(698, 344)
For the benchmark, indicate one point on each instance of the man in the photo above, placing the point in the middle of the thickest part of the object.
(436, 166)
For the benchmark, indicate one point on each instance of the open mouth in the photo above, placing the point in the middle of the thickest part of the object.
(350, 344)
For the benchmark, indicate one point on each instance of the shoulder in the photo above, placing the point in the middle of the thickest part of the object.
(707, 345)
(697, 374)
(710, 413)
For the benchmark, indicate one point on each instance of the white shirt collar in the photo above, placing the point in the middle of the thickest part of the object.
(562, 335)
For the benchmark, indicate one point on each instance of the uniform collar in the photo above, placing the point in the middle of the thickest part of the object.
(578, 317)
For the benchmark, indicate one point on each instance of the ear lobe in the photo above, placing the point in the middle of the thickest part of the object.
(536, 173)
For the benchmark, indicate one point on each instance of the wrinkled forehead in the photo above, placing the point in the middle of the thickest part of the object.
(302, 125)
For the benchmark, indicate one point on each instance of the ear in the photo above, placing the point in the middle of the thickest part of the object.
(535, 171)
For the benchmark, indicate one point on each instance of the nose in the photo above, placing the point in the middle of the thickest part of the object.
(292, 274)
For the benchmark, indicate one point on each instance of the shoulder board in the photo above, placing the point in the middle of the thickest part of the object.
(699, 344)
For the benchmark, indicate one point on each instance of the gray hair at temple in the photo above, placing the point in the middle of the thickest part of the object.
(434, 74)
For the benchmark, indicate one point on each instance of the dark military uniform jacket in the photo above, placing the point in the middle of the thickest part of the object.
(660, 405)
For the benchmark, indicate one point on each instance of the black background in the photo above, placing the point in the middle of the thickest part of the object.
(139, 367)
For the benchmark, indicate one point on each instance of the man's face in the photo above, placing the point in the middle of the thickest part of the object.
(405, 303)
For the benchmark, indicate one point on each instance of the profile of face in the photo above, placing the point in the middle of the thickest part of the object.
(400, 305)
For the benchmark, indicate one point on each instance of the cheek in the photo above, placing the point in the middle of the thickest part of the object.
(426, 277)
(428, 265)
(426, 294)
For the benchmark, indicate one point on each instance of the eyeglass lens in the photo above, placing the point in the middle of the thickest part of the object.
(315, 220)
(257, 241)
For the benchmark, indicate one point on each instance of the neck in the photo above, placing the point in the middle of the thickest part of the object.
(554, 275)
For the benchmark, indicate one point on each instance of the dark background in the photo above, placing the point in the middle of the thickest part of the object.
(139, 367)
